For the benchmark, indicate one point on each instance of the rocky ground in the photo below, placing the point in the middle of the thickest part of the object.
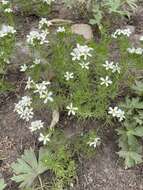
(105, 171)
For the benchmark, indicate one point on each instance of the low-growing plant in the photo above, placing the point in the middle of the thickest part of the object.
(98, 10)
(85, 144)
(28, 168)
(56, 158)
(79, 76)
(59, 160)
(37, 7)
(132, 129)
(7, 41)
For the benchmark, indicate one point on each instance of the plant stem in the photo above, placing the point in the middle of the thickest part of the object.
(40, 181)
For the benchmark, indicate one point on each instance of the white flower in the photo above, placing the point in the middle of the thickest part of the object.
(27, 113)
(36, 125)
(105, 81)
(41, 87)
(81, 52)
(4, 2)
(126, 32)
(23, 68)
(72, 110)
(43, 38)
(47, 96)
(27, 101)
(44, 139)
(138, 51)
(29, 83)
(6, 30)
(24, 109)
(112, 66)
(121, 115)
(61, 29)
(84, 65)
(113, 111)
(44, 22)
(8, 10)
(108, 65)
(37, 37)
(69, 75)
(116, 112)
(116, 68)
(95, 142)
(131, 50)
(37, 61)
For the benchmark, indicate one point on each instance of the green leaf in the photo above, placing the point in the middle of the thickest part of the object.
(138, 131)
(28, 168)
(138, 87)
(2, 184)
(131, 158)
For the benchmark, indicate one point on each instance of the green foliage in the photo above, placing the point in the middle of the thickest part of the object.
(28, 168)
(138, 88)
(6, 45)
(59, 160)
(132, 130)
(81, 145)
(84, 91)
(2, 184)
(100, 9)
(6, 86)
(37, 7)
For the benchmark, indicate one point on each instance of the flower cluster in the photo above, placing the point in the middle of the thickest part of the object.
(114, 67)
(39, 37)
(125, 32)
(24, 109)
(38, 125)
(117, 112)
(41, 89)
(133, 50)
(44, 93)
(36, 37)
(24, 67)
(6, 30)
(44, 24)
(6, 6)
(81, 51)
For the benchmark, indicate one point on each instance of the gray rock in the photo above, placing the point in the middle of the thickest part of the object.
(21, 54)
(135, 39)
(83, 29)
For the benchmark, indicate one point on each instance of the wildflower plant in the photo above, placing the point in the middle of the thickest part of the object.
(97, 11)
(37, 7)
(78, 77)
(7, 41)
(131, 129)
